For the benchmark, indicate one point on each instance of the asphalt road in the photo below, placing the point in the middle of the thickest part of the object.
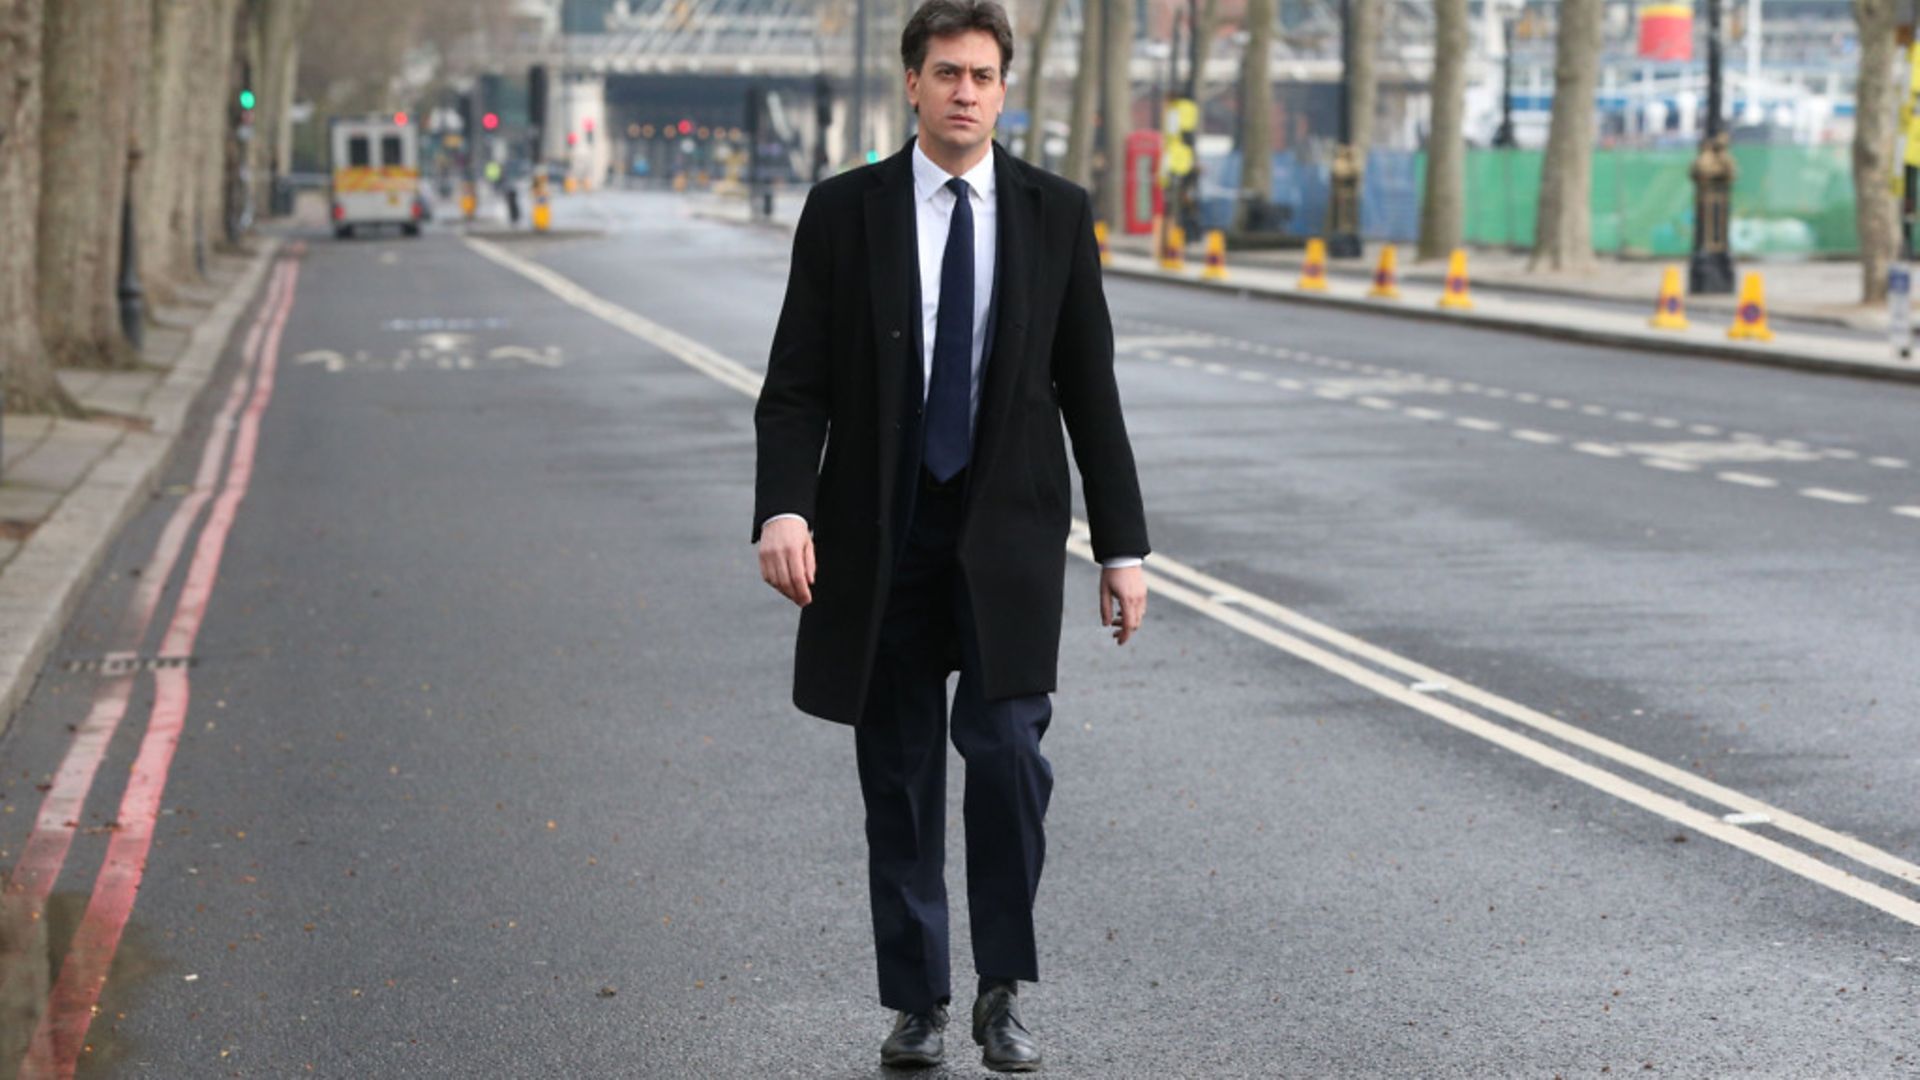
(488, 769)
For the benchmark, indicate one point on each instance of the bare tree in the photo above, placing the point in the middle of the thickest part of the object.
(1362, 80)
(1563, 238)
(1875, 107)
(1117, 111)
(28, 369)
(1034, 145)
(1256, 111)
(1080, 122)
(1443, 203)
(215, 79)
(163, 200)
(83, 147)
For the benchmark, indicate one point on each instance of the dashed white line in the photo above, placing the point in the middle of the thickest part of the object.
(1669, 464)
(1840, 454)
(1544, 438)
(1887, 462)
(1559, 403)
(1496, 392)
(1907, 511)
(1829, 495)
(1421, 412)
(1184, 361)
(1215, 368)
(1599, 450)
(1289, 384)
(1749, 479)
(1703, 429)
(1526, 398)
(1594, 410)
(1477, 424)
(1374, 402)
(1664, 422)
(1471, 388)
(1254, 376)
(1629, 416)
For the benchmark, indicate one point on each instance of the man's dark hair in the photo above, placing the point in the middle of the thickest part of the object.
(945, 18)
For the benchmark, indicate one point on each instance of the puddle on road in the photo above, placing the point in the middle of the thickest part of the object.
(33, 945)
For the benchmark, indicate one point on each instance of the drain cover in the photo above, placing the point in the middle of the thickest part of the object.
(127, 664)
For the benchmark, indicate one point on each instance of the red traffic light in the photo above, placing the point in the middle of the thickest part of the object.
(490, 121)
(572, 139)
(589, 123)
(686, 127)
(400, 118)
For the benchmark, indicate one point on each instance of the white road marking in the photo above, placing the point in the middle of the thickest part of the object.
(732, 374)
(1476, 424)
(1184, 361)
(1594, 410)
(1629, 416)
(1887, 462)
(1496, 392)
(1842, 454)
(1471, 388)
(1749, 479)
(1372, 402)
(1907, 511)
(1559, 403)
(1215, 368)
(1669, 464)
(1544, 438)
(1703, 429)
(1746, 818)
(1527, 398)
(1664, 422)
(1599, 449)
(1421, 412)
(1254, 376)
(1289, 384)
(1829, 495)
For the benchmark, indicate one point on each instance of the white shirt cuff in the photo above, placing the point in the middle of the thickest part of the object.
(1121, 562)
(781, 517)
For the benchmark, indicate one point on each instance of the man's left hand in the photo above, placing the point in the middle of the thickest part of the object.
(1126, 590)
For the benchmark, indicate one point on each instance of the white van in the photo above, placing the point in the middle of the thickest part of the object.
(376, 174)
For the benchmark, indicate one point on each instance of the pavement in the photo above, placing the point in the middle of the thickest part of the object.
(66, 486)
(1820, 326)
(1508, 706)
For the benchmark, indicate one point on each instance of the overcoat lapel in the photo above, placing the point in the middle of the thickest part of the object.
(892, 271)
(1019, 211)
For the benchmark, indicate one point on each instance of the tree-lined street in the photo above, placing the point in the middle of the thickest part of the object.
(487, 766)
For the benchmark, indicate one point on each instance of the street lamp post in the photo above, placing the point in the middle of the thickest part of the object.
(1343, 214)
(859, 125)
(1710, 268)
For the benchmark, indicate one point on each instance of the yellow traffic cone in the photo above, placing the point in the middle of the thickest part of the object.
(1100, 238)
(1386, 277)
(1454, 295)
(1216, 257)
(1313, 271)
(1668, 310)
(1174, 258)
(1750, 318)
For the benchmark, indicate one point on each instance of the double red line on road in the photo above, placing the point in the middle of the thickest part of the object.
(61, 1035)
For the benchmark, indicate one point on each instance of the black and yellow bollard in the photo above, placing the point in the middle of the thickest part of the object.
(1313, 271)
(542, 209)
(1100, 238)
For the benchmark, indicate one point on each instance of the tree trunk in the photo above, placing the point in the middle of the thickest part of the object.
(83, 148)
(1117, 109)
(1256, 111)
(29, 384)
(217, 154)
(1564, 234)
(163, 199)
(1086, 83)
(1443, 204)
(1362, 84)
(1033, 147)
(1873, 131)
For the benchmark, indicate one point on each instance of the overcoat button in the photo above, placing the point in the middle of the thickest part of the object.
(896, 335)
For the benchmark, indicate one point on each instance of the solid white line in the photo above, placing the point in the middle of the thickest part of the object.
(1830, 495)
(1599, 449)
(1477, 424)
(731, 374)
(1749, 479)
(1669, 464)
(1542, 437)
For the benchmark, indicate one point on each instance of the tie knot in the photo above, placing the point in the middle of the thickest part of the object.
(958, 187)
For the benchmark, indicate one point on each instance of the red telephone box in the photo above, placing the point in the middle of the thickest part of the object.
(1144, 198)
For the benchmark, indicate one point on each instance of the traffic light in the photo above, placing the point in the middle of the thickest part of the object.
(400, 118)
(686, 127)
(490, 121)
(246, 99)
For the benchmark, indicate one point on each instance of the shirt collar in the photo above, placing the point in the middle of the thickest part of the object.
(929, 178)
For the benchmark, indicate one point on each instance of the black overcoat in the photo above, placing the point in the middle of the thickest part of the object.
(837, 415)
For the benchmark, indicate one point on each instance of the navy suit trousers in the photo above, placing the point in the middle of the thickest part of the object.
(927, 632)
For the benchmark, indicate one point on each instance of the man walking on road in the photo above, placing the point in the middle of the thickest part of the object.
(943, 314)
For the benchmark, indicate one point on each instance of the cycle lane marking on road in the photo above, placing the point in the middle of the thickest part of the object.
(1222, 602)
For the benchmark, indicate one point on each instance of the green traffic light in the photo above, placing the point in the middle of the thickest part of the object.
(246, 99)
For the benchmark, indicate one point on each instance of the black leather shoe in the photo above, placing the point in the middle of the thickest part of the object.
(1007, 1045)
(917, 1041)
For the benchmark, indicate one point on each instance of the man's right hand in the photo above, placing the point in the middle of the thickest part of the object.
(786, 559)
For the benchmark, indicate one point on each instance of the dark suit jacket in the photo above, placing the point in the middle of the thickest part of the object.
(843, 378)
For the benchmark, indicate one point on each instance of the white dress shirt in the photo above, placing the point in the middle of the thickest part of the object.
(933, 217)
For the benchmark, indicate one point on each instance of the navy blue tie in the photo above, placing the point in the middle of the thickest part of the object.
(949, 428)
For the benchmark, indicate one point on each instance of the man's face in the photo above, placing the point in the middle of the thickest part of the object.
(958, 92)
